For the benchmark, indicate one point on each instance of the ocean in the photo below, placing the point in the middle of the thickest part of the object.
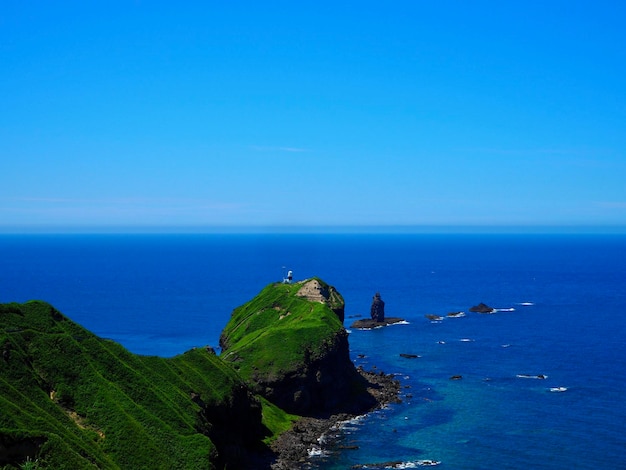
(541, 380)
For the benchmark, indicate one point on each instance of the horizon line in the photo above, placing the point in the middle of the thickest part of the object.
(315, 229)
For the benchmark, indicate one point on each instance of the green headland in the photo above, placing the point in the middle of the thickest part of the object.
(70, 399)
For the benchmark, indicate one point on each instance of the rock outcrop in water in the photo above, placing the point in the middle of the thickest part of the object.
(377, 310)
(377, 316)
(482, 308)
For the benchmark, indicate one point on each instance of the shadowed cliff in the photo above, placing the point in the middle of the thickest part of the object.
(290, 345)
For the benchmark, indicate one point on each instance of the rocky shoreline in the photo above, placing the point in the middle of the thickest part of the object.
(311, 434)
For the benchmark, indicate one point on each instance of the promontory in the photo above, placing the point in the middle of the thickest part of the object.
(70, 399)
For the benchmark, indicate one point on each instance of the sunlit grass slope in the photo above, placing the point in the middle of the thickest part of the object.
(70, 399)
(278, 331)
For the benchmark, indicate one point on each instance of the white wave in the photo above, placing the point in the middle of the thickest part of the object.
(504, 309)
(467, 340)
(527, 376)
(558, 389)
(373, 328)
(415, 464)
(526, 304)
(316, 452)
(403, 322)
(455, 315)
(506, 345)
(352, 421)
(348, 331)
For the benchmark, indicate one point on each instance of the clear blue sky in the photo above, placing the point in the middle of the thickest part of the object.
(142, 114)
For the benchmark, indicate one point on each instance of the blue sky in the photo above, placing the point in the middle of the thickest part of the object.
(159, 115)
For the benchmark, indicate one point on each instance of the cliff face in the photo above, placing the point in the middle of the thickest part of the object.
(290, 345)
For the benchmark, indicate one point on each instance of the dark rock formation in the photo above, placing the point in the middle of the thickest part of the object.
(19, 449)
(371, 324)
(377, 311)
(293, 446)
(235, 428)
(321, 386)
(433, 317)
(377, 316)
(455, 314)
(395, 464)
(482, 308)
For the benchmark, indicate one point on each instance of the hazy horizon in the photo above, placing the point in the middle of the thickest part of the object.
(318, 229)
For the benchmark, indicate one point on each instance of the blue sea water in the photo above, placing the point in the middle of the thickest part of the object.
(561, 299)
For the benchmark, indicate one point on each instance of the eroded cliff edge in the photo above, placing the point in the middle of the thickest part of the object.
(290, 345)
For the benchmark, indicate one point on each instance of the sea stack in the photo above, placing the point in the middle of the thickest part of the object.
(377, 311)
(377, 314)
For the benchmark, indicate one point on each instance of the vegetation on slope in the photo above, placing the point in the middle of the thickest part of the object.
(289, 343)
(69, 399)
(278, 331)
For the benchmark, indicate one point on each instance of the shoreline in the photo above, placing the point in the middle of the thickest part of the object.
(311, 435)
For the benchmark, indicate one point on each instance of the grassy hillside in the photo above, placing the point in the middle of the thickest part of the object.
(278, 331)
(69, 399)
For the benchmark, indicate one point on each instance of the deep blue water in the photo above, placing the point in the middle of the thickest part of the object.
(163, 294)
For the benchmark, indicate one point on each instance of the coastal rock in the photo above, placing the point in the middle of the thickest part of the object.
(396, 464)
(308, 433)
(371, 324)
(290, 345)
(433, 317)
(377, 316)
(455, 314)
(482, 308)
(377, 310)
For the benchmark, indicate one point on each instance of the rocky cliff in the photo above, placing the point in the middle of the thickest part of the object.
(290, 345)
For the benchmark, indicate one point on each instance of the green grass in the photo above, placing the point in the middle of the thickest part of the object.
(89, 403)
(277, 332)
(276, 420)
(69, 399)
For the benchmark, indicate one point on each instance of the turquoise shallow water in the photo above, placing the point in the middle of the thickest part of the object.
(164, 294)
